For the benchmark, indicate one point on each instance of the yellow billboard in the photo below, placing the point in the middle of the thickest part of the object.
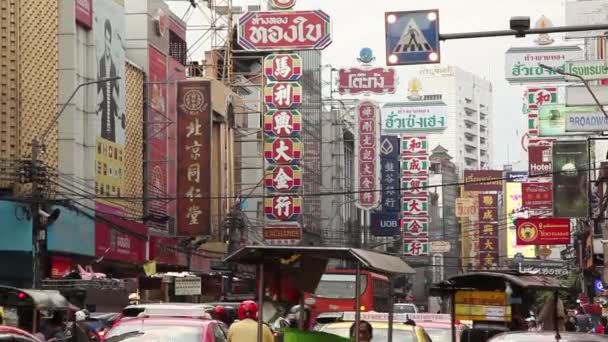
(513, 205)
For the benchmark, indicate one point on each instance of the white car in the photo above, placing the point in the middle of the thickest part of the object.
(405, 308)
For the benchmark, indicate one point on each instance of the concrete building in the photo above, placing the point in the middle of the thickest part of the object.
(468, 137)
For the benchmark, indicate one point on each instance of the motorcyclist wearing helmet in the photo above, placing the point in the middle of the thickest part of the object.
(297, 315)
(246, 329)
(219, 313)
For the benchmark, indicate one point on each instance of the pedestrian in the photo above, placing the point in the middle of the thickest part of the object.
(246, 329)
(570, 324)
(602, 328)
(532, 326)
(366, 332)
(583, 322)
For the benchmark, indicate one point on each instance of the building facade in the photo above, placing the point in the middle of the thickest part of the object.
(468, 136)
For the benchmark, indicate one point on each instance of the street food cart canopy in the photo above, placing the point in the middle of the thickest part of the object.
(496, 280)
(373, 261)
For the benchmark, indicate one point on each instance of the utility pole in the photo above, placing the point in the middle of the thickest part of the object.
(39, 221)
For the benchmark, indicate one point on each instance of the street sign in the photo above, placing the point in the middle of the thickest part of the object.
(415, 116)
(187, 286)
(283, 207)
(580, 96)
(283, 150)
(283, 123)
(284, 178)
(283, 67)
(552, 119)
(588, 70)
(282, 95)
(412, 37)
(385, 224)
(367, 81)
(586, 122)
(522, 63)
(288, 30)
(367, 148)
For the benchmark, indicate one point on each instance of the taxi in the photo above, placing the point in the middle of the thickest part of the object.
(401, 332)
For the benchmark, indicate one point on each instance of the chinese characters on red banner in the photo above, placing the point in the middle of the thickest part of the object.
(488, 230)
(415, 195)
(194, 157)
(367, 170)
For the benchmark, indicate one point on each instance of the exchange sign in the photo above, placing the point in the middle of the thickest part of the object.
(289, 30)
(283, 95)
(543, 231)
(283, 123)
(283, 67)
(283, 178)
(283, 207)
(283, 150)
(355, 81)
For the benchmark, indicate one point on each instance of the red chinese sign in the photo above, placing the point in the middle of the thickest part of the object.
(482, 180)
(415, 186)
(488, 229)
(367, 169)
(355, 81)
(283, 123)
(537, 97)
(283, 67)
(283, 178)
(194, 157)
(540, 160)
(282, 95)
(290, 30)
(543, 231)
(283, 150)
(415, 226)
(416, 145)
(84, 13)
(537, 195)
(283, 207)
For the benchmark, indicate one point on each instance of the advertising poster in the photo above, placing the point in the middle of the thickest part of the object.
(157, 132)
(513, 204)
(543, 231)
(570, 179)
(194, 157)
(109, 129)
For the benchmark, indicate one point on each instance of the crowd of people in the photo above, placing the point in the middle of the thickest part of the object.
(575, 320)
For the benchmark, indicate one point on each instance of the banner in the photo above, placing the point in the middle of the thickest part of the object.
(194, 157)
(570, 179)
(482, 180)
(543, 231)
(488, 230)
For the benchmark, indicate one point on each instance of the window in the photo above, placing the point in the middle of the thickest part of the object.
(218, 333)
(339, 286)
(381, 294)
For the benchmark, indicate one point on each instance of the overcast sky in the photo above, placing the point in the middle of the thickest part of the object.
(358, 23)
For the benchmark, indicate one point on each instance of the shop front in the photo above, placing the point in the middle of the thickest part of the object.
(15, 244)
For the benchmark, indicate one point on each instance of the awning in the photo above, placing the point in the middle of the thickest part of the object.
(373, 261)
(483, 280)
(40, 299)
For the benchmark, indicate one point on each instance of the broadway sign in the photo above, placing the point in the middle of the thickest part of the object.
(289, 30)
(355, 81)
(542, 231)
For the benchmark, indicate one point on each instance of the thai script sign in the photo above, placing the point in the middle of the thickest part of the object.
(543, 231)
(543, 268)
(194, 157)
(588, 70)
(586, 122)
(367, 148)
(355, 81)
(466, 207)
(289, 30)
(284, 233)
(537, 195)
(482, 180)
(416, 116)
(283, 67)
(522, 63)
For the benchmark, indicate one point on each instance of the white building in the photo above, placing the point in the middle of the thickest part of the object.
(468, 137)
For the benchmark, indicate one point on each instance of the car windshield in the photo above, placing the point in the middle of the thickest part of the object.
(380, 335)
(439, 334)
(339, 286)
(400, 308)
(158, 333)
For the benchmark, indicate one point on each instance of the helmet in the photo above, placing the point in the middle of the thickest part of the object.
(248, 309)
(219, 312)
(80, 316)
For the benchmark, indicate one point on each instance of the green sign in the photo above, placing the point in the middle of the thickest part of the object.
(589, 70)
(414, 117)
(552, 119)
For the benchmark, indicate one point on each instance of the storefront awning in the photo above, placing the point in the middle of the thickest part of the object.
(485, 280)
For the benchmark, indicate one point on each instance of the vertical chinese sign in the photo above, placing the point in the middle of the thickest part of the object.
(415, 195)
(386, 222)
(282, 149)
(367, 148)
(534, 98)
(488, 230)
(194, 157)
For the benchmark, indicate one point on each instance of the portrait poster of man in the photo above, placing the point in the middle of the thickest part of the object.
(109, 28)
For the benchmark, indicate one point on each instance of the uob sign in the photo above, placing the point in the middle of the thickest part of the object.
(385, 224)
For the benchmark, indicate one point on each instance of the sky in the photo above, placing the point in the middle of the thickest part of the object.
(358, 23)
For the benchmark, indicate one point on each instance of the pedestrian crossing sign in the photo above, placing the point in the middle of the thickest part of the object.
(412, 37)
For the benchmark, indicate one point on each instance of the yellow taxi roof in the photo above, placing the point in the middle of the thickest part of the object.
(375, 325)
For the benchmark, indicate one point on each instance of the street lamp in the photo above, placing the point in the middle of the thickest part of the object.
(38, 233)
(562, 72)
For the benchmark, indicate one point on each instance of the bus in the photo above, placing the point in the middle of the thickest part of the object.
(336, 292)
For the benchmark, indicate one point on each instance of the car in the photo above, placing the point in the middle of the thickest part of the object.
(142, 329)
(166, 309)
(546, 336)
(401, 332)
(405, 308)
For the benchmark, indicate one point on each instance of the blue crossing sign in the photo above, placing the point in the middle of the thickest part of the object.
(412, 37)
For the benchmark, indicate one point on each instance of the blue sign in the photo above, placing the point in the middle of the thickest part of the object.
(389, 147)
(385, 224)
(599, 286)
(412, 37)
(517, 176)
(16, 227)
(366, 55)
(73, 232)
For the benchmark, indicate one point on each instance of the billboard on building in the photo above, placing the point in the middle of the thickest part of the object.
(483, 180)
(513, 205)
(194, 157)
(109, 128)
(570, 179)
(539, 160)
(367, 148)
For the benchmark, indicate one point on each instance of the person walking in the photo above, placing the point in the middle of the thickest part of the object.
(246, 329)
(583, 322)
